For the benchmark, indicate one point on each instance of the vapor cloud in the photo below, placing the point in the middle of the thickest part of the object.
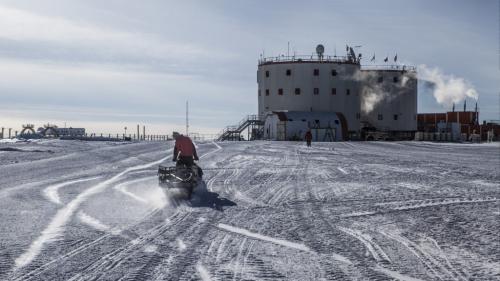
(446, 89)
(372, 93)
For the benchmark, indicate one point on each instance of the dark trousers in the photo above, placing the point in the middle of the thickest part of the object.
(185, 160)
(308, 142)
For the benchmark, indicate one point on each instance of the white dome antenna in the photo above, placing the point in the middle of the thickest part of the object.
(320, 49)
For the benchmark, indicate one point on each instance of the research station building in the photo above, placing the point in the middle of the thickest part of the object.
(368, 98)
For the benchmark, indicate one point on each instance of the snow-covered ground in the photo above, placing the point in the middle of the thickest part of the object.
(72, 210)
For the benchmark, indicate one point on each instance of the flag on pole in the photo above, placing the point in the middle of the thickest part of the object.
(386, 59)
(396, 58)
(373, 58)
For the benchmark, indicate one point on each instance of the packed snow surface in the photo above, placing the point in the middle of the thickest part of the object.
(73, 210)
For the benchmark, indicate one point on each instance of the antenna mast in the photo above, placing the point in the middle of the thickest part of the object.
(187, 118)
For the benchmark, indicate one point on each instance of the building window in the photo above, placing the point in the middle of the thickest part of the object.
(380, 79)
(259, 92)
(358, 115)
(267, 73)
(316, 72)
(334, 91)
(380, 117)
(297, 91)
(288, 72)
(347, 92)
(267, 92)
(395, 79)
(280, 91)
(316, 91)
(334, 72)
(395, 117)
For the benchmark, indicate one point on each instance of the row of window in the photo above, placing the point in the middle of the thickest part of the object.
(288, 72)
(381, 117)
(315, 91)
(380, 79)
(395, 79)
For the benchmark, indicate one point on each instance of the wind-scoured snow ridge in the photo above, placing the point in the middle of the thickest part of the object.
(358, 214)
(55, 227)
(180, 244)
(394, 274)
(342, 170)
(51, 192)
(340, 258)
(281, 242)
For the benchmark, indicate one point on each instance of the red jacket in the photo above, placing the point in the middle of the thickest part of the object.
(308, 136)
(184, 147)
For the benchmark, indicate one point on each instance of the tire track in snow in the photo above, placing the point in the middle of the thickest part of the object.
(375, 250)
(120, 258)
(427, 259)
(394, 274)
(56, 226)
(213, 151)
(95, 223)
(117, 256)
(51, 192)
(402, 206)
(51, 264)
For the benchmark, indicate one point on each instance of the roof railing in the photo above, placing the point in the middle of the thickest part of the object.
(311, 58)
(397, 67)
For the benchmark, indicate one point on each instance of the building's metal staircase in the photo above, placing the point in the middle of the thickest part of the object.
(253, 122)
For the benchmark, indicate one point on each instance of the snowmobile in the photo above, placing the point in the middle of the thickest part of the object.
(180, 177)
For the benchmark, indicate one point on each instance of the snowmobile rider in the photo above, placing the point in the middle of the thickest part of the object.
(308, 137)
(184, 150)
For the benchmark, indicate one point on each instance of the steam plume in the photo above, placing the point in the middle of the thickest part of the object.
(447, 89)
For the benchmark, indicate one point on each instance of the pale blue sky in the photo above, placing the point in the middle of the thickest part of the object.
(109, 64)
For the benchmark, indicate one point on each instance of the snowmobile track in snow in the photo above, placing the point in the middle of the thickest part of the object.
(266, 211)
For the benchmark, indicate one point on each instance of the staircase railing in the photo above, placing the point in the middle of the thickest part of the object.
(242, 125)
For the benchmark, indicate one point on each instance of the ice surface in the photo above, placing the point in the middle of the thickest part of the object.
(265, 211)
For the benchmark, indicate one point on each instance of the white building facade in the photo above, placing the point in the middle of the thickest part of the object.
(340, 85)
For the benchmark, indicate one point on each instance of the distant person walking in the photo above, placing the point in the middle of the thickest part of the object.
(308, 137)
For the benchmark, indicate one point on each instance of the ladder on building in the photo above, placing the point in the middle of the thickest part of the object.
(251, 122)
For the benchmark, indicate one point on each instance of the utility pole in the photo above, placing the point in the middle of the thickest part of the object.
(1, 136)
(138, 132)
(187, 118)
(144, 132)
(10, 130)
